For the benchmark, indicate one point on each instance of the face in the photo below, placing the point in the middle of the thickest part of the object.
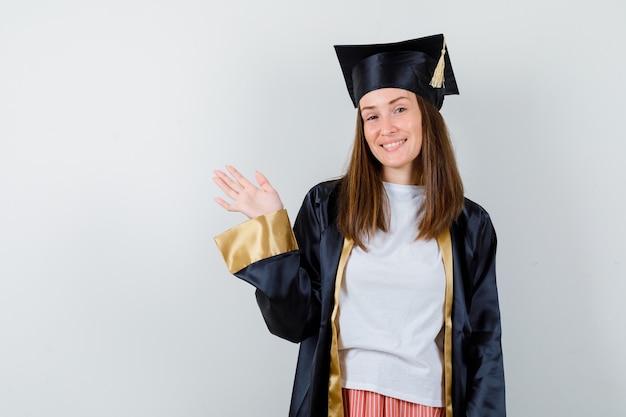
(392, 124)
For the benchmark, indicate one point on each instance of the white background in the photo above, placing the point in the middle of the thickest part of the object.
(113, 298)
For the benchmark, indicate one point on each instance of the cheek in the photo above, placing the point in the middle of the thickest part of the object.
(418, 130)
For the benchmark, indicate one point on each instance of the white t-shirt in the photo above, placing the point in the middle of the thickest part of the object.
(391, 310)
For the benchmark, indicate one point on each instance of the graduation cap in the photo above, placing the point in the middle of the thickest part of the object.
(419, 65)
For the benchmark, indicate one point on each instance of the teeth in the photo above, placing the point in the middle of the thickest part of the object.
(393, 144)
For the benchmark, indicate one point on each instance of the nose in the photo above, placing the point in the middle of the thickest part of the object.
(387, 126)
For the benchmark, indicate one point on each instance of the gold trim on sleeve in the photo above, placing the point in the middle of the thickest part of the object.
(445, 245)
(256, 239)
(335, 401)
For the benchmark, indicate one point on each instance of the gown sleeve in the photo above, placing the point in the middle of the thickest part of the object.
(485, 396)
(283, 265)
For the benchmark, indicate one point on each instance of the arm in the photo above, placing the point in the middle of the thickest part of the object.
(291, 303)
(485, 390)
(263, 251)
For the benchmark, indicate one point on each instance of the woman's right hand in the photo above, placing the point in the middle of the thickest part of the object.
(247, 198)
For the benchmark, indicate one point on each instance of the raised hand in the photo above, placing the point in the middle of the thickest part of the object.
(247, 198)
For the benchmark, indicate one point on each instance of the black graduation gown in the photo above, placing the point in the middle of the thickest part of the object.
(295, 290)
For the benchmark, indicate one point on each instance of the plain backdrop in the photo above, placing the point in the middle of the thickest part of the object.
(114, 300)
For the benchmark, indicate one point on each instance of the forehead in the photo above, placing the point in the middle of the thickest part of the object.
(383, 96)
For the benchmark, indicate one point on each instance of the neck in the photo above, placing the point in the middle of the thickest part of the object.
(400, 176)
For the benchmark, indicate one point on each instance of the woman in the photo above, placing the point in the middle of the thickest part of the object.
(387, 280)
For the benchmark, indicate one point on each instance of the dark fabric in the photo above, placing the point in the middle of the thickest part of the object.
(408, 64)
(295, 292)
(410, 71)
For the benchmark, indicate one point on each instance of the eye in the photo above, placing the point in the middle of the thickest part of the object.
(400, 109)
(371, 117)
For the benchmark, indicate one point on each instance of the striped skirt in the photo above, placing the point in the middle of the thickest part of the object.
(357, 403)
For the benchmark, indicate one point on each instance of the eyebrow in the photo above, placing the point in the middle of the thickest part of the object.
(391, 102)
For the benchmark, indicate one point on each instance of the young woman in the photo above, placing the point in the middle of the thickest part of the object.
(387, 279)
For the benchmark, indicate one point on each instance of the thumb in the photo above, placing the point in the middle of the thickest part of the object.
(263, 182)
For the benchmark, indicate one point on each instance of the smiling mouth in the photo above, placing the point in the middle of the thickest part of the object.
(393, 144)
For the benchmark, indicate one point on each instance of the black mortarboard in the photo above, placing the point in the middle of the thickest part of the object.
(418, 65)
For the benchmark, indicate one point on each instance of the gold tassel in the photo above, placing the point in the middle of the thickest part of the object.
(437, 80)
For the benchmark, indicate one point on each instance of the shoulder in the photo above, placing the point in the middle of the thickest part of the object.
(323, 194)
(471, 209)
(474, 219)
(324, 190)
(320, 203)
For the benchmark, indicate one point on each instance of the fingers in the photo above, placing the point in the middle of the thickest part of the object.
(223, 203)
(243, 181)
(236, 187)
(226, 180)
(227, 188)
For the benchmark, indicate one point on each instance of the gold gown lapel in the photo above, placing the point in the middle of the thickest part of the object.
(335, 402)
(445, 246)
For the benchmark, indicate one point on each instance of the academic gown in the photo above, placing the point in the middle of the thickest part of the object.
(297, 274)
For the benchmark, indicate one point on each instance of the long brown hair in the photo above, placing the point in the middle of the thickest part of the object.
(363, 204)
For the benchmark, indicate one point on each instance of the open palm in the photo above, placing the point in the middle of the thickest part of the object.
(247, 198)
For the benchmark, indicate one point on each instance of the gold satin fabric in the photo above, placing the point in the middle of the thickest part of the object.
(256, 239)
(335, 401)
(445, 246)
